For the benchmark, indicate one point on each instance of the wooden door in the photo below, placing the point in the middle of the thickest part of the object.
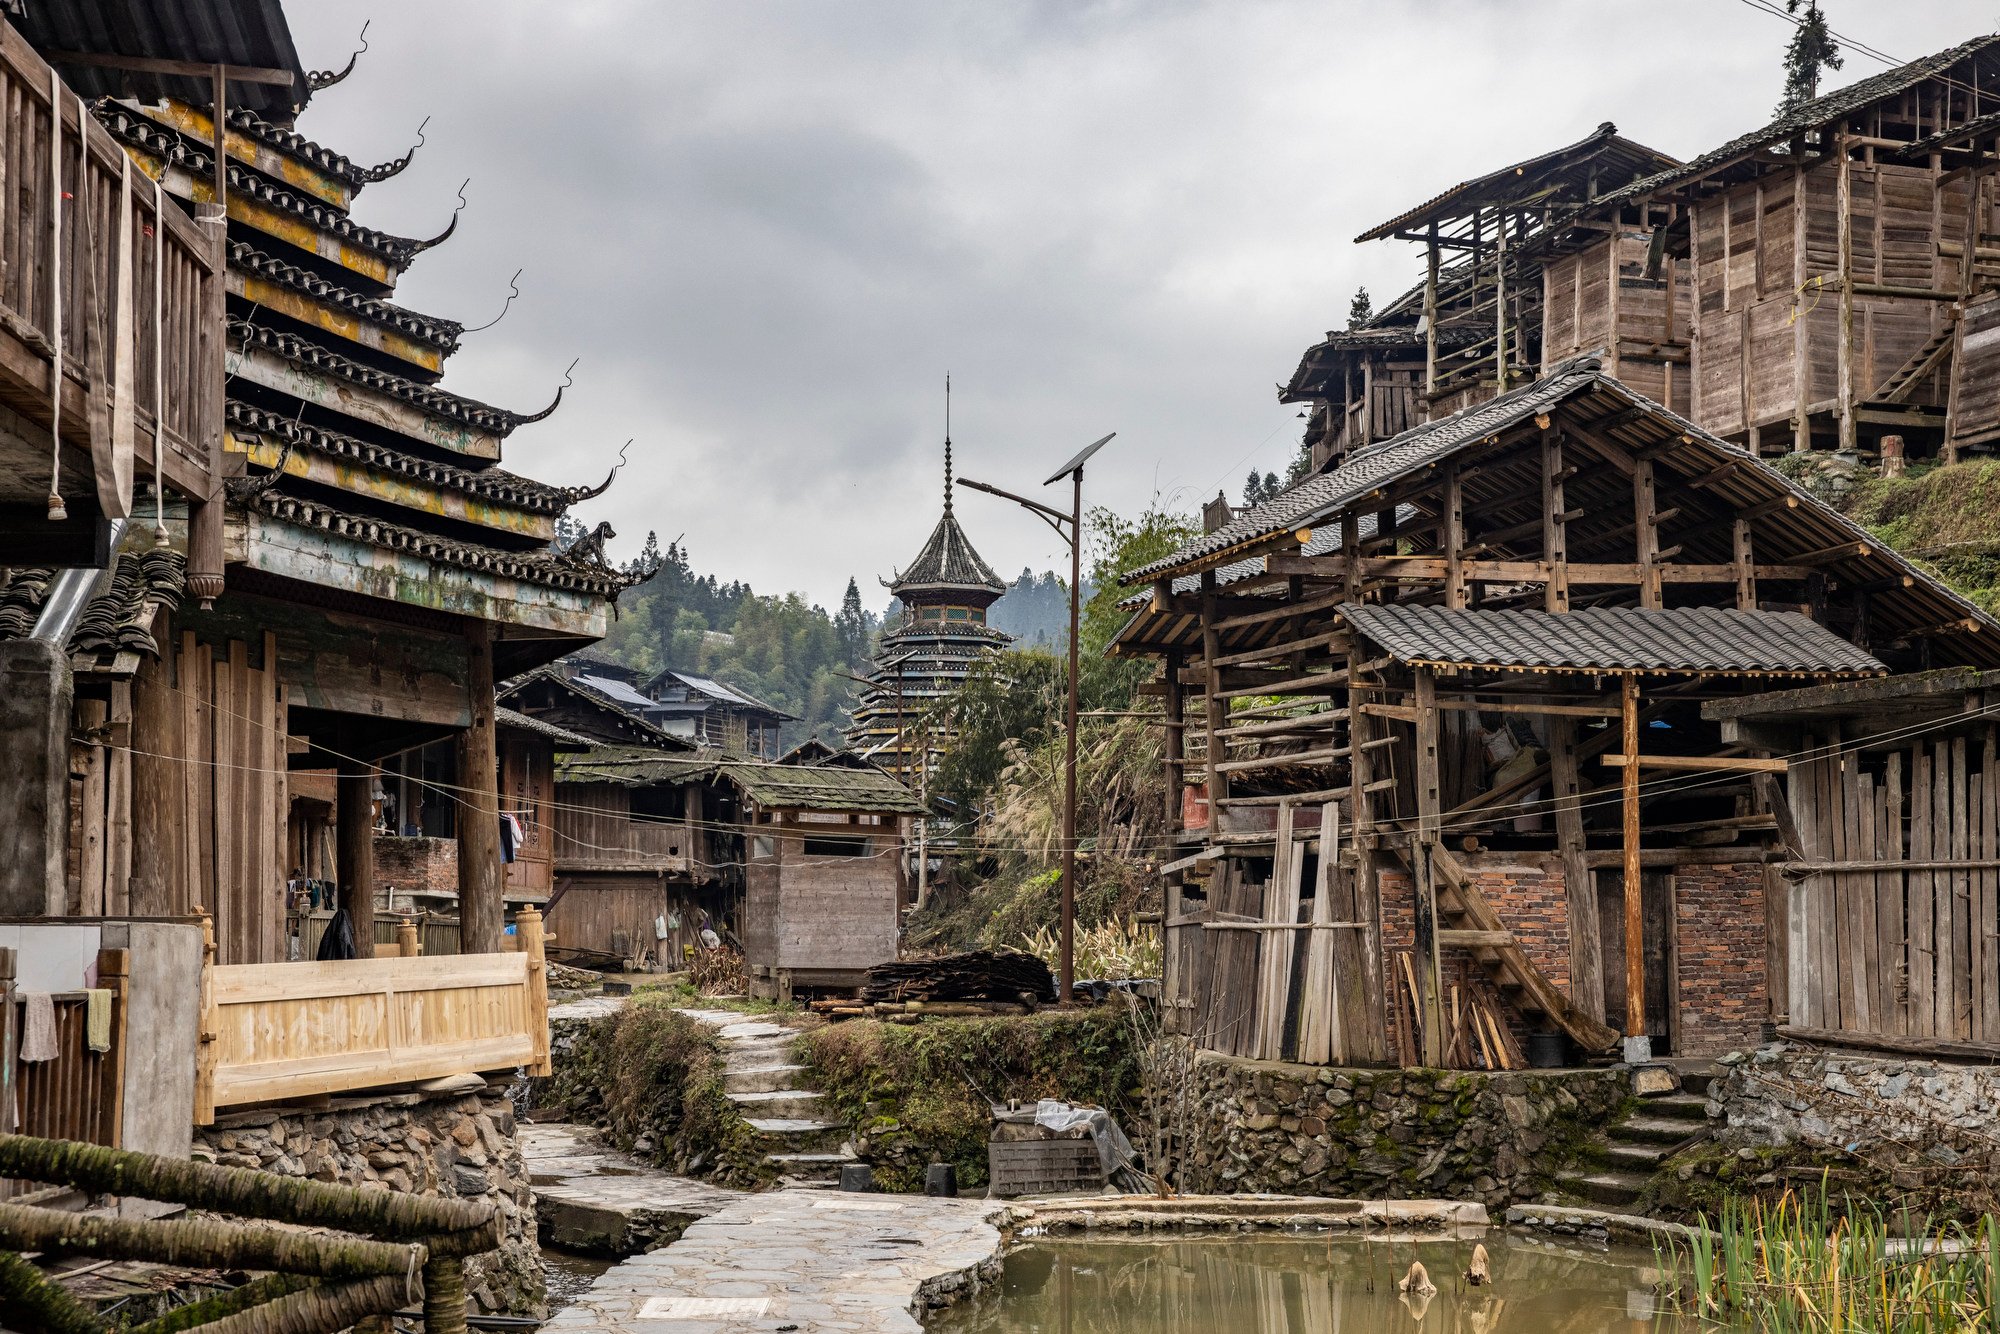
(1661, 960)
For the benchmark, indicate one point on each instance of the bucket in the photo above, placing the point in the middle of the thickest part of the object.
(1548, 1051)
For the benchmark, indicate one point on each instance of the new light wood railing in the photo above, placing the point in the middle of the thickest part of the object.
(289, 1030)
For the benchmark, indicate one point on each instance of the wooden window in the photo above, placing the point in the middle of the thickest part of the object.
(836, 847)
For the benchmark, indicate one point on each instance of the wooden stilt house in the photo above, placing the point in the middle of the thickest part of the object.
(1436, 719)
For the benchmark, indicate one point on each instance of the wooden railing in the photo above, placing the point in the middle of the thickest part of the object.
(116, 234)
(288, 1030)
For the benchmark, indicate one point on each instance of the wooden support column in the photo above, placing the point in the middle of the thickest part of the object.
(1500, 299)
(1646, 534)
(1746, 565)
(1637, 1048)
(1430, 318)
(480, 908)
(1374, 1030)
(1214, 707)
(354, 846)
(1423, 845)
(1175, 742)
(1555, 532)
(1801, 345)
(1844, 360)
(1586, 942)
(1451, 537)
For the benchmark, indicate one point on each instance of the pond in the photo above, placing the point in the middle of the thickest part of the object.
(1312, 1284)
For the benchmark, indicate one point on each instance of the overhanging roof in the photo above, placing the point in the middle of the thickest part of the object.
(250, 34)
(1564, 175)
(1691, 640)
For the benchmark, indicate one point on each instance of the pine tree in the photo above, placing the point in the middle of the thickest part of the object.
(1361, 309)
(851, 624)
(1811, 50)
(1253, 489)
(1271, 487)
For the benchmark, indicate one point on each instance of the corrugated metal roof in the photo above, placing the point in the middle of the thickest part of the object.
(1836, 105)
(207, 32)
(1601, 639)
(1603, 146)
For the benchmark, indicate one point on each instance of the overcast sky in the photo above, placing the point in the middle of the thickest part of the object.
(770, 229)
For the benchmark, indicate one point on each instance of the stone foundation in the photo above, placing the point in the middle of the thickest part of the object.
(457, 1145)
(1269, 1127)
(1912, 1119)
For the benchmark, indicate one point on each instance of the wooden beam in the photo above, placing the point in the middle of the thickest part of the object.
(1733, 763)
(1452, 538)
(1542, 710)
(192, 69)
(1423, 845)
(1635, 927)
(1586, 949)
(1468, 939)
(1555, 524)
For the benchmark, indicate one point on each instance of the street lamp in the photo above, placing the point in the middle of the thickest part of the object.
(1073, 534)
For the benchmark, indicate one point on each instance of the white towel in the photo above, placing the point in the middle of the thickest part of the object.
(38, 1028)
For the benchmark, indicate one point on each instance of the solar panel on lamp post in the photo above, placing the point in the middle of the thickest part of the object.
(1073, 534)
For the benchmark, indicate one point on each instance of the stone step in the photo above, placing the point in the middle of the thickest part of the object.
(810, 1168)
(1679, 1106)
(762, 1078)
(796, 1134)
(760, 1051)
(791, 1104)
(1608, 1188)
(1652, 1130)
(1642, 1158)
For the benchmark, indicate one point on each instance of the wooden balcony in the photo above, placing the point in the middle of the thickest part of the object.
(139, 335)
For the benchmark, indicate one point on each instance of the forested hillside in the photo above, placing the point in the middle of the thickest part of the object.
(1034, 609)
(782, 649)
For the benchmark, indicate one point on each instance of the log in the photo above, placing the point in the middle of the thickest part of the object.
(202, 1244)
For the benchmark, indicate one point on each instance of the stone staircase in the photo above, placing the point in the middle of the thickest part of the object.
(803, 1147)
(1614, 1167)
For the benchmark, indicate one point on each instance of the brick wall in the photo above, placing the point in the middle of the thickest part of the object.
(1719, 936)
(417, 863)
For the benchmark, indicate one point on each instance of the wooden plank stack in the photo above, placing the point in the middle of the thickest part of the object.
(978, 975)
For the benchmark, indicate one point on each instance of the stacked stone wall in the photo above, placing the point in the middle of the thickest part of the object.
(1264, 1126)
(458, 1145)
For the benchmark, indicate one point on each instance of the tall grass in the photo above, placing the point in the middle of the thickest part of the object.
(1792, 1267)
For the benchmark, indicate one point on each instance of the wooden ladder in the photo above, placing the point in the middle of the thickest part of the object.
(1928, 358)
(1469, 922)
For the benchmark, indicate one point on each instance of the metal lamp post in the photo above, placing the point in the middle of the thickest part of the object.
(1069, 527)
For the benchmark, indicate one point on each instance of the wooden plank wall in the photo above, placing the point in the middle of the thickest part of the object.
(1975, 411)
(527, 790)
(1898, 932)
(209, 804)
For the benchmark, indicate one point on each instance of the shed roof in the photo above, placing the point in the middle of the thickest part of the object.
(714, 690)
(1701, 640)
(814, 788)
(118, 619)
(521, 722)
(1537, 179)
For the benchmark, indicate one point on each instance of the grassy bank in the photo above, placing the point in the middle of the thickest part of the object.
(917, 1094)
(652, 1080)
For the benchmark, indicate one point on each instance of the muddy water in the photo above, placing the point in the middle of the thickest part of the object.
(1263, 1284)
(569, 1274)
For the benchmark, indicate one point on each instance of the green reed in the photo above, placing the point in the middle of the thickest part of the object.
(1791, 1266)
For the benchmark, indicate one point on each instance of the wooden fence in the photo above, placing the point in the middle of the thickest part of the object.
(80, 1094)
(290, 1030)
(1894, 911)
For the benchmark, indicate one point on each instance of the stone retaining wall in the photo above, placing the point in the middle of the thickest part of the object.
(1261, 1126)
(1913, 1119)
(458, 1145)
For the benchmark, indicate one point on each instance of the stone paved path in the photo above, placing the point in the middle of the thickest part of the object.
(818, 1262)
(589, 1197)
(766, 1085)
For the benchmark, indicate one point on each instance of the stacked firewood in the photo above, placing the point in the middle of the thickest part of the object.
(978, 975)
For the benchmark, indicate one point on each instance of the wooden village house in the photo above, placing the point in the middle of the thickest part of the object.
(797, 862)
(288, 569)
(1481, 737)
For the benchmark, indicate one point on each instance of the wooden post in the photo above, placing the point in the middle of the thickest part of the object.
(114, 974)
(528, 928)
(1801, 302)
(1451, 537)
(1555, 532)
(479, 889)
(408, 945)
(1844, 361)
(1637, 1047)
(1367, 888)
(205, 513)
(10, 1047)
(1500, 298)
(1175, 705)
(205, 1035)
(1422, 846)
(1586, 944)
(354, 818)
(1646, 534)
(1214, 705)
(1431, 318)
(1746, 567)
